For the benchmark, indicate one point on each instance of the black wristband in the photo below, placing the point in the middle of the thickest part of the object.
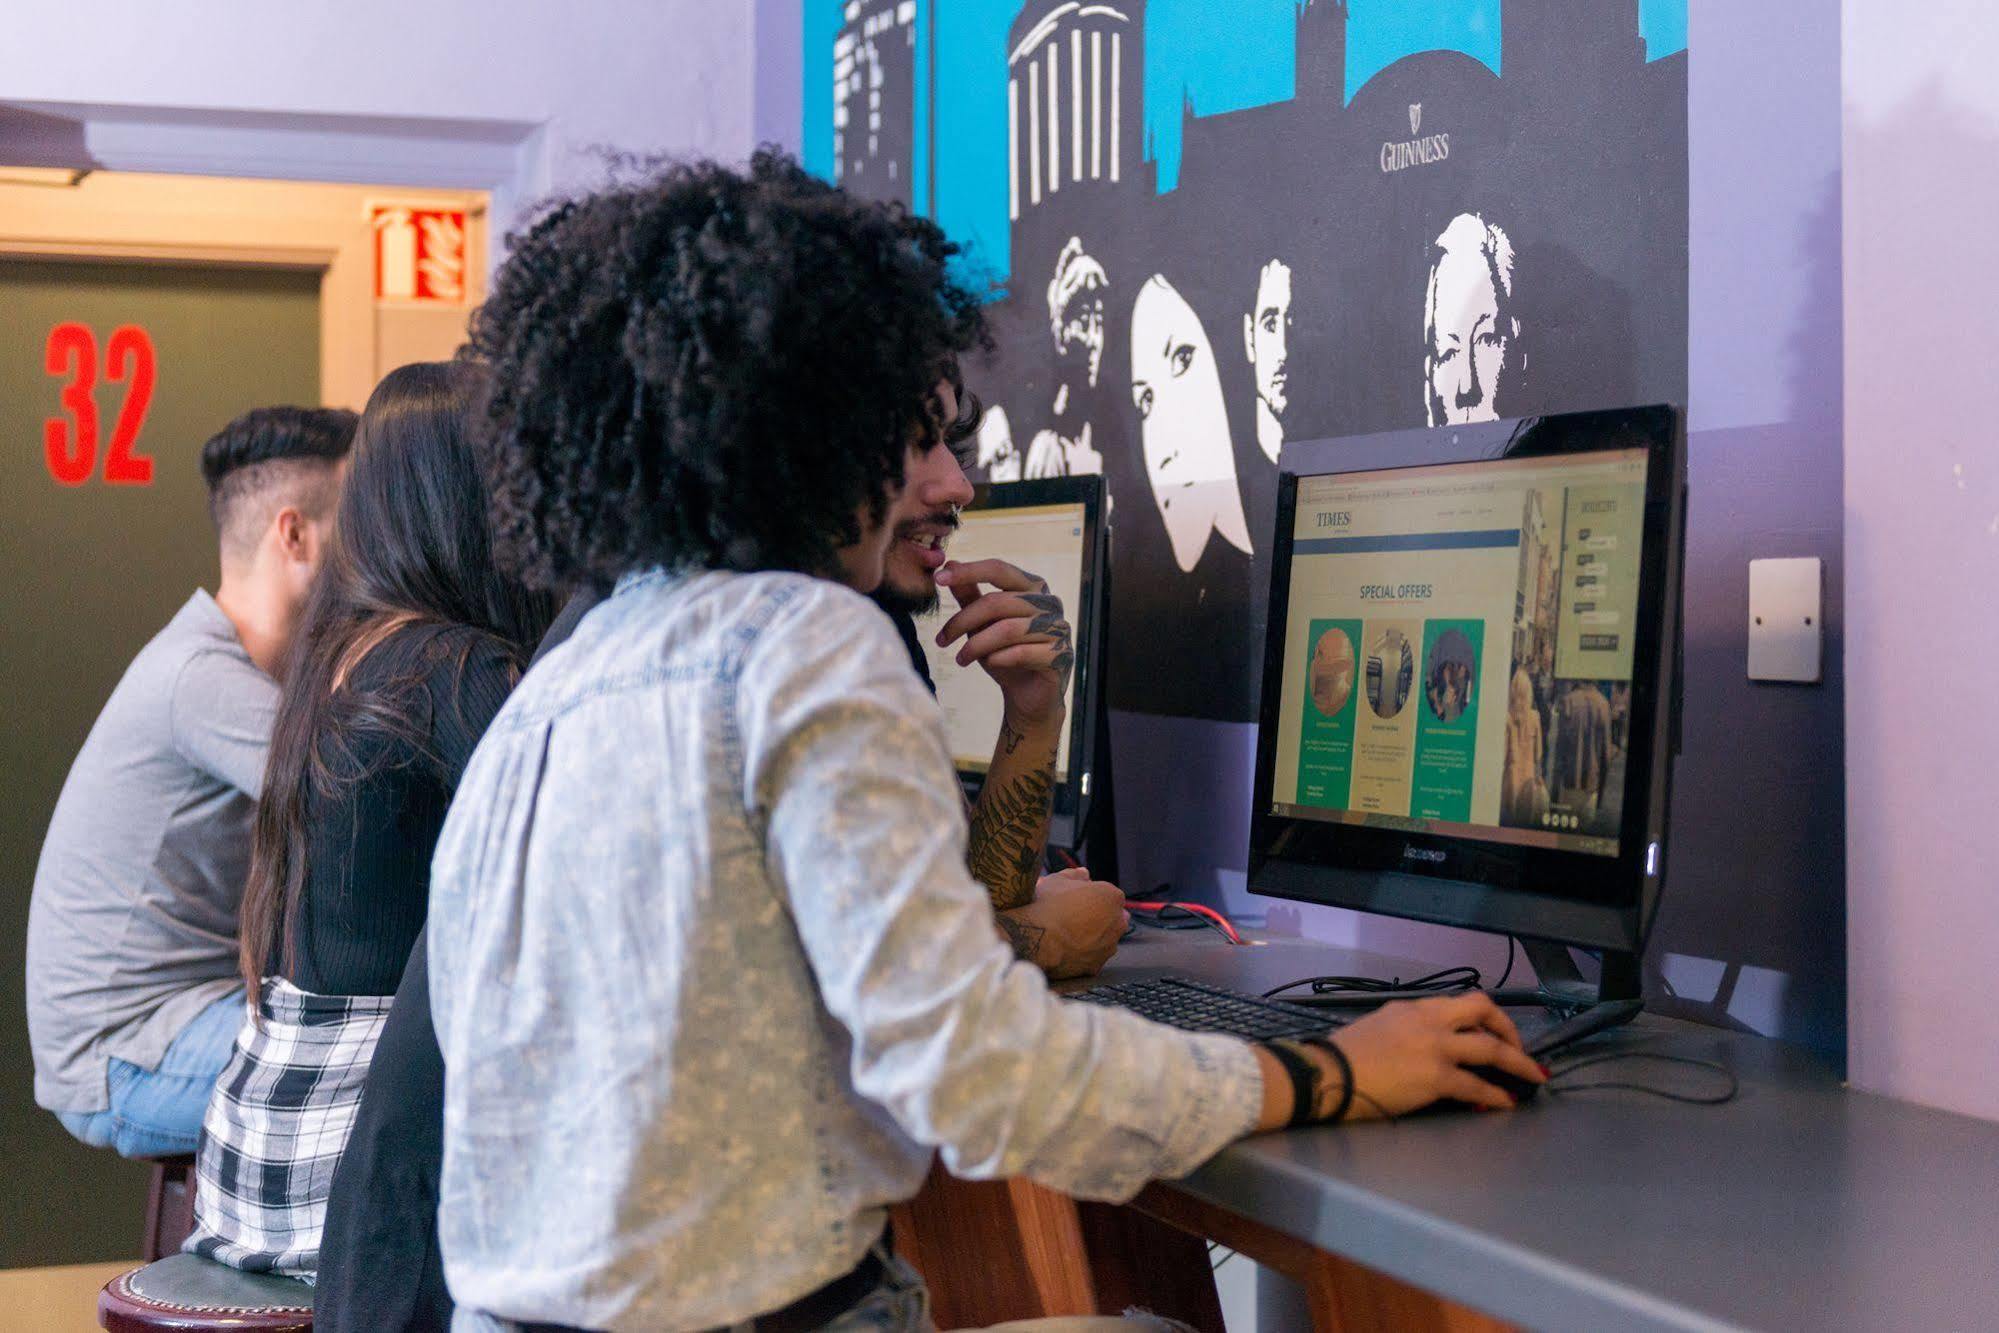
(1346, 1075)
(1304, 1083)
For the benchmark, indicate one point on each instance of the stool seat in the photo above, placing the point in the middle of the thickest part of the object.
(186, 1293)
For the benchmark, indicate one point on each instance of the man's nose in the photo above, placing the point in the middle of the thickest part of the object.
(945, 482)
(1470, 392)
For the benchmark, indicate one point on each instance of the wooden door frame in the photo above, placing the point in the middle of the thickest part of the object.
(413, 158)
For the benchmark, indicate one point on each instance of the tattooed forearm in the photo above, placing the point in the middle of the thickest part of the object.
(1007, 827)
(1024, 936)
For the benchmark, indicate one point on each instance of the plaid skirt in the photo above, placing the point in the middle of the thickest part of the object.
(277, 1124)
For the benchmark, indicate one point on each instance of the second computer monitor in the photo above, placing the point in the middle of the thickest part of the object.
(1053, 528)
(1469, 680)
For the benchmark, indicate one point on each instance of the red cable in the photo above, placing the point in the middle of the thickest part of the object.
(1199, 909)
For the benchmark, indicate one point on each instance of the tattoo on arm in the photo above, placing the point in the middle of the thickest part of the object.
(1049, 622)
(1010, 736)
(1024, 936)
(1047, 613)
(1006, 837)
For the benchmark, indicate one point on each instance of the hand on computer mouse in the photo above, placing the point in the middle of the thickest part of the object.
(1409, 1054)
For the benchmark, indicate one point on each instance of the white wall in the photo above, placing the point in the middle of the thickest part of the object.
(1922, 548)
(546, 81)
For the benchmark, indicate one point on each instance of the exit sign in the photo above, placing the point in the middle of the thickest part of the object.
(420, 254)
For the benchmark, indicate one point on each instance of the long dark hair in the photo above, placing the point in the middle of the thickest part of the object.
(411, 554)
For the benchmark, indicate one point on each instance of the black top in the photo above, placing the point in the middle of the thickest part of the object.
(368, 842)
(905, 626)
(379, 1266)
(378, 1258)
(578, 606)
(378, 1255)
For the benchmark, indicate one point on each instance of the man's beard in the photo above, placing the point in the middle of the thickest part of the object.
(921, 602)
(897, 602)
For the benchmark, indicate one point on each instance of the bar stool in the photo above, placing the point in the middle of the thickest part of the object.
(169, 1206)
(185, 1293)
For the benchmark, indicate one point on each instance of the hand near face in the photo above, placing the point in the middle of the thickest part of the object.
(1014, 627)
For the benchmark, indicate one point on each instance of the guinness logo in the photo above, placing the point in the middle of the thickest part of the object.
(1419, 149)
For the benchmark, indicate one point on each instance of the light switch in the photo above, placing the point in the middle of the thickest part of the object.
(1786, 619)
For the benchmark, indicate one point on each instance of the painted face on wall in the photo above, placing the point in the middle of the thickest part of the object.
(1266, 335)
(1083, 332)
(1183, 424)
(1472, 340)
(1076, 297)
(996, 454)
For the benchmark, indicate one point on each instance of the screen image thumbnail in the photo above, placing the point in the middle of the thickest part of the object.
(1326, 730)
(1569, 697)
(1390, 670)
(1332, 672)
(1450, 674)
(1447, 725)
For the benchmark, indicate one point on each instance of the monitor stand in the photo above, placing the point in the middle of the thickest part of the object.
(1565, 990)
(1092, 840)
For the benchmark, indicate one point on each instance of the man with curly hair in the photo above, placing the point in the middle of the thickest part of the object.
(711, 979)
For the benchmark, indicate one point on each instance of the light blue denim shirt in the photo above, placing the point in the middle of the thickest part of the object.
(712, 981)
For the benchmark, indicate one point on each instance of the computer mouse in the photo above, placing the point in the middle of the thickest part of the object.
(1518, 1088)
(1512, 1084)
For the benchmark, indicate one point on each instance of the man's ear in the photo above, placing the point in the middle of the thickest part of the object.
(1249, 338)
(294, 535)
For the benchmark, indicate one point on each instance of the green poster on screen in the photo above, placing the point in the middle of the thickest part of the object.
(1447, 722)
(1325, 743)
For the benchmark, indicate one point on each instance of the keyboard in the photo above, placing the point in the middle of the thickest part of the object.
(1197, 1007)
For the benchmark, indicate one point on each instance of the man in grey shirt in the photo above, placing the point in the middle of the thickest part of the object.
(134, 997)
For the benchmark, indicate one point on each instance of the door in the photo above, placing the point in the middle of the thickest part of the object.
(102, 537)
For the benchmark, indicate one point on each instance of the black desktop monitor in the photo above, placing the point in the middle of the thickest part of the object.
(1469, 692)
(1054, 528)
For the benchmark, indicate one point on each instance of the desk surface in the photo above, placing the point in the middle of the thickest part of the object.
(1800, 1204)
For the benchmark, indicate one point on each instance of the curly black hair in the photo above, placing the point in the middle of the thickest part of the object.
(712, 368)
(249, 454)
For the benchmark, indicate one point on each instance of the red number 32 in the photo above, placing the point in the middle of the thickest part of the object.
(70, 446)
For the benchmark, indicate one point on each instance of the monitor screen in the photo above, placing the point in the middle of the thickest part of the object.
(1458, 649)
(1051, 540)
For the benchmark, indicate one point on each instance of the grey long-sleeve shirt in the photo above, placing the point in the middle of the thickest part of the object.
(132, 927)
(711, 979)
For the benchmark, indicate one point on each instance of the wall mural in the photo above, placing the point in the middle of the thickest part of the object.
(1211, 226)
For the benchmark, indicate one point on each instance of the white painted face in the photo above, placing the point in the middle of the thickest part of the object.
(1183, 423)
(1469, 349)
(1083, 330)
(1267, 335)
(997, 454)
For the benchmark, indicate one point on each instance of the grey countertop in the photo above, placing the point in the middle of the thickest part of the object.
(1800, 1204)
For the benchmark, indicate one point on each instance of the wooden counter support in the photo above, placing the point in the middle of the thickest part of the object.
(993, 1251)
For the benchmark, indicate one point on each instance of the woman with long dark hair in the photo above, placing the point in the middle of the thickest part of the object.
(410, 641)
